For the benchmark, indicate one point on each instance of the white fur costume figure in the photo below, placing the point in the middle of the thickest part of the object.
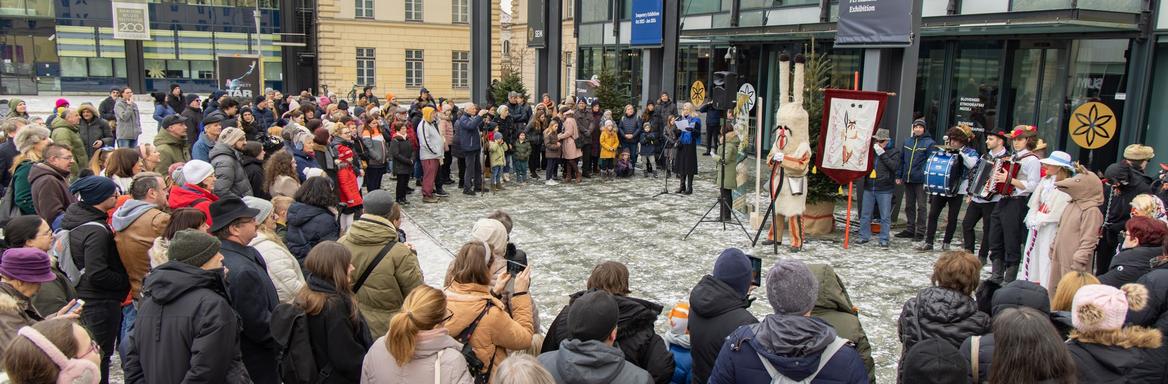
(791, 152)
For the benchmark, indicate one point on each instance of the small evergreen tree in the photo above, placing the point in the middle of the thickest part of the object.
(509, 81)
(820, 188)
(612, 91)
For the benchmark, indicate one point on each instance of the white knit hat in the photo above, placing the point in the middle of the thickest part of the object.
(195, 171)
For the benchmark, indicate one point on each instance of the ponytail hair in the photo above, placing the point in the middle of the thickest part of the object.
(424, 309)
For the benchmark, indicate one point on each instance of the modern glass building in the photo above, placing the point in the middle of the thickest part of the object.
(990, 63)
(67, 46)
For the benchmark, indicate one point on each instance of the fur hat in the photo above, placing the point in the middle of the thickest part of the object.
(1138, 152)
(1098, 307)
(30, 135)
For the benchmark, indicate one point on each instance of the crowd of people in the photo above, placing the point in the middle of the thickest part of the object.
(253, 241)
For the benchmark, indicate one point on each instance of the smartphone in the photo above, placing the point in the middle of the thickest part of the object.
(515, 267)
(756, 266)
(76, 305)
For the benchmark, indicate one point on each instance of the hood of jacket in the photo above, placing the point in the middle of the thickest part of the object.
(42, 170)
(1021, 294)
(81, 213)
(793, 344)
(318, 284)
(300, 213)
(429, 343)
(1085, 189)
(130, 212)
(222, 149)
(245, 160)
(1126, 338)
(187, 194)
(174, 279)
(63, 123)
(832, 294)
(634, 313)
(164, 137)
(588, 361)
(712, 298)
(362, 232)
(88, 106)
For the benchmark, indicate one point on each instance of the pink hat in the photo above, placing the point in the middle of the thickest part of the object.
(62, 103)
(1098, 307)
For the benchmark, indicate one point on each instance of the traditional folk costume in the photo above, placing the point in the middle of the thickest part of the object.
(1046, 209)
(967, 158)
(1006, 238)
(789, 156)
(981, 209)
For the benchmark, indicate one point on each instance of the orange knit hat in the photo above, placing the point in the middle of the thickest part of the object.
(679, 318)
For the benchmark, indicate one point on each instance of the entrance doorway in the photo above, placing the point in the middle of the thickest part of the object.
(1037, 90)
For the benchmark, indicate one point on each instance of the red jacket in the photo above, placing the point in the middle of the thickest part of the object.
(190, 195)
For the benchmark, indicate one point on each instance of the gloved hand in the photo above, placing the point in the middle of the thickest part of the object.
(879, 149)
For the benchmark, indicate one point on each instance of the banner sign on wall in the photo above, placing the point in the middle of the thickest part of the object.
(131, 21)
(586, 89)
(850, 118)
(647, 23)
(536, 28)
(882, 23)
(239, 75)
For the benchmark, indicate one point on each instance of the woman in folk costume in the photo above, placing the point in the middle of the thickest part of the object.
(789, 157)
(1046, 209)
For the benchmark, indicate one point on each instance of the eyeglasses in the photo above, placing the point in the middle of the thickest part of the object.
(93, 347)
(1123, 233)
(449, 315)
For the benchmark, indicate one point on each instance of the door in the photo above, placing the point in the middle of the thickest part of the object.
(1036, 92)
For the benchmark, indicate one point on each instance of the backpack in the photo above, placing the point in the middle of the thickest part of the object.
(778, 378)
(295, 356)
(61, 250)
(480, 371)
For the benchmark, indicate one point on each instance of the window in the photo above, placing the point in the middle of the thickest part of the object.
(461, 11)
(413, 10)
(366, 61)
(414, 68)
(364, 9)
(568, 8)
(461, 75)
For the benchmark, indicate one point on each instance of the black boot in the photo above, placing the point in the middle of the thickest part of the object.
(1011, 274)
(997, 269)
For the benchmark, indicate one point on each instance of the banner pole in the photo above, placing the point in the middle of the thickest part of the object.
(758, 161)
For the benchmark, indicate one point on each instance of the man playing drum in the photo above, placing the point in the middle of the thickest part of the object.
(949, 184)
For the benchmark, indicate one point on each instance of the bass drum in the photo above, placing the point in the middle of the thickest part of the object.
(943, 174)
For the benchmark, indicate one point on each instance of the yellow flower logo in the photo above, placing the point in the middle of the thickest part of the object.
(1092, 125)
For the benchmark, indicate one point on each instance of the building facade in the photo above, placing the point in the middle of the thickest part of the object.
(993, 64)
(53, 47)
(399, 46)
(523, 59)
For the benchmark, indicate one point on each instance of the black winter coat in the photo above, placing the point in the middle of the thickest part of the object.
(194, 124)
(887, 167)
(716, 310)
(1154, 314)
(939, 313)
(337, 339)
(106, 109)
(402, 154)
(985, 355)
(254, 297)
(635, 336)
(94, 130)
(1127, 266)
(94, 249)
(1131, 183)
(186, 330)
(7, 155)
(307, 226)
(254, 168)
(1107, 364)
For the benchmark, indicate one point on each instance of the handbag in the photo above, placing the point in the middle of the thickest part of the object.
(8, 207)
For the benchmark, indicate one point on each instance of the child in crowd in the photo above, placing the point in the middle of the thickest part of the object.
(624, 166)
(520, 152)
(402, 154)
(678, 340)
(608, 145)
(280, 206)
(498, 157)
(649, 141)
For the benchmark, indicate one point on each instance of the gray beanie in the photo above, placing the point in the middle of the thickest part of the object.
(264, 206)
(791, 287)
(379, 202)
(193, 247)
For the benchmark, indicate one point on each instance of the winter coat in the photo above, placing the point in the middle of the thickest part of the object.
(1107, 357)
(94, 130)
(22, 187)
(201, 150)
(105, 276)
(568, 138)
(713, 115)
(649, 142)
(194, 125)
(253, 297)
(161, 111)
(794, 345)
(283, 269)
(402, 155)
(391, 280)
(380, 367)
(985, 356)
(186, 329)
(446, 127)
(106, 109)
(636, 338)
(586, 127)
(176, 102)
(7, 156)
(341, 341)
(835, 307)
(171, 150)
(16, 311)
(1078, 229)
(1154, 314)
(608, 144)
(913, 158)
(192, 196)
(551, 146)
(254, 169)
(307, 226)
(497, 332)
(230, 177)
(65, 133)
(1131, 183)
(51, 192)
(54, 295)
(716, 310)
(498, 153)
(1129, 265)
(430, 142)
(939, 313)
(304, 159)
(521, 151)
(629, 125)
(376, 148)
(887, 170)
(264, 118)
(136, 224)
(284, 186)
(685, 161)
(467, 134)
(129, 120)
(591, 362)
(728, 175)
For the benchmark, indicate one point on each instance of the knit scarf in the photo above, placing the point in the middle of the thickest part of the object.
(675, 339)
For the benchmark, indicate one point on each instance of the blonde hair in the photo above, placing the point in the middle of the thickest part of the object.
(423, 309)
(281, 203)
(1068, 285)
(522, 369)
(1147, 205)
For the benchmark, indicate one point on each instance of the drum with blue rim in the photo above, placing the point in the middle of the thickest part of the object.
(943, 172)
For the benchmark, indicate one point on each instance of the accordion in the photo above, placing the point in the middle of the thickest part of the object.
(981, 182)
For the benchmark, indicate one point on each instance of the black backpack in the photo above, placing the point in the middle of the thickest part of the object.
(478, 369)
(296, 359)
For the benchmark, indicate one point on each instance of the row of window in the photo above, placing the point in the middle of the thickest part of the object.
(415, 68)
(460, 9)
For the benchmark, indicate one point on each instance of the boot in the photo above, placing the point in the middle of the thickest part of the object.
(924, 247)
(997, 269)
(944, 247)
(1011, 274)
(500, 187)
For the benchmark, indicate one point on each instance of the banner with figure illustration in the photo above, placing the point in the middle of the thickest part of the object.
(850, 118)
(239, 75)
